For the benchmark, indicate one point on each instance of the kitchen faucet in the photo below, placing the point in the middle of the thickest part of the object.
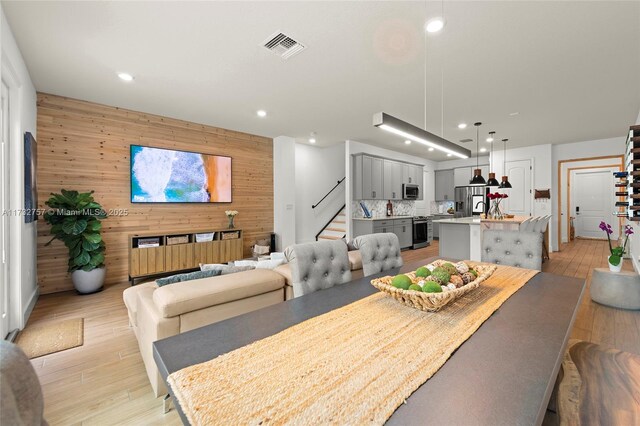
(478, 203)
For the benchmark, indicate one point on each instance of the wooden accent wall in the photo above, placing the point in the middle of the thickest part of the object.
(85, 146)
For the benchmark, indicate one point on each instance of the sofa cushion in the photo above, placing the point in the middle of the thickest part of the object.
(224, 269)
(187, 277)
(355, 260)
(189, 296)
(130, 296)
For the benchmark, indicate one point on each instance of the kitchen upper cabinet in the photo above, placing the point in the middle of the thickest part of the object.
(411, 174)
(392, 180)
(377, 178)
(462, 176)
(444, 182)
(368, 173)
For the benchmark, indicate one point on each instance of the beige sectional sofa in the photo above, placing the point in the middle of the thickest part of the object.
(159, 312)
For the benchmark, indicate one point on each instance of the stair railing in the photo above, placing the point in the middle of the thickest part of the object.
(332, 189)
(329, 223)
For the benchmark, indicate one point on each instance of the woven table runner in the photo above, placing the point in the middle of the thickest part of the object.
(353, 365)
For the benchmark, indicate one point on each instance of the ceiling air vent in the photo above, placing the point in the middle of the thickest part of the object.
(466, 140)
(283, 45)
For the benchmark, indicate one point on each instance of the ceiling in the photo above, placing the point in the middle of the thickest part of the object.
(570, 69)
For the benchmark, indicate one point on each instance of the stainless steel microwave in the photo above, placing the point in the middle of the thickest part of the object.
(410, 191)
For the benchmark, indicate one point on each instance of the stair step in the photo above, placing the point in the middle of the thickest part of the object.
(335, 229)
(329, 237)
(338, 221)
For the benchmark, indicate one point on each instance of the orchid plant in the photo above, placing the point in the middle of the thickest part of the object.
(616, 252)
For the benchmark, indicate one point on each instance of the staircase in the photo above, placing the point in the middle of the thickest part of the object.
(336, 228)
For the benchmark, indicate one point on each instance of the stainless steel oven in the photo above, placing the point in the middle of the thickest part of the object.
(422, 231)
(410, 191)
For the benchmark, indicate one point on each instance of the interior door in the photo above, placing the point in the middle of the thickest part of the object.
(592, 201)
(4, 199)
(519, 201)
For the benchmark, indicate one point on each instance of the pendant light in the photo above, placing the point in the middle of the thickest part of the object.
(492, 175)
(505, 179)
(477, 173)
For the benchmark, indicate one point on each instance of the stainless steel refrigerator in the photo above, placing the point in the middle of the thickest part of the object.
(471, 200)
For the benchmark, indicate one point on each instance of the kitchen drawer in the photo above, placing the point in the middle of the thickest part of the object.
(397, 222)
(377, 223)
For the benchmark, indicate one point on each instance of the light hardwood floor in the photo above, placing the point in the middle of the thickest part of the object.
(104, 381)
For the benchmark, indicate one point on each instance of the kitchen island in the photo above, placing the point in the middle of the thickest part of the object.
(461, 238)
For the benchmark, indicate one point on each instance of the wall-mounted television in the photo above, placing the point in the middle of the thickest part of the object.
(168, 176)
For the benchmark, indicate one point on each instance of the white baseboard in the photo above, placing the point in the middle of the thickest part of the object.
(29, 308)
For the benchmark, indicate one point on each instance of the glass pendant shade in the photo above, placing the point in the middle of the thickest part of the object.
(492, 180)
(477, 173)
(505, 179)
(477, 178)
(505, 182)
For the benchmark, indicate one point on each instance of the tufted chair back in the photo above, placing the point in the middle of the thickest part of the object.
(513, 248)
(380, 252)
(319, 265)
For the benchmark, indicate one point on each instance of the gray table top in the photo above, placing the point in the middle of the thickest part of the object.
(502, 375)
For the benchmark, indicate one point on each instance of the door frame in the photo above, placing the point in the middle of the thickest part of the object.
(559, 192)
(608, 166)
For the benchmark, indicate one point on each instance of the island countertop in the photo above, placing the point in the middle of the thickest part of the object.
(459, 221)
(515, 219)
(382, 218)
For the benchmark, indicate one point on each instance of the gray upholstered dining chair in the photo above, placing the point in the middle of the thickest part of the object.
(22, 402)
(513, 248)
(319, 265)
(380, 252)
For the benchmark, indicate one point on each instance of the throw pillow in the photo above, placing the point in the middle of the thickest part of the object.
(186, 277)
(225, 269)
(269, 264)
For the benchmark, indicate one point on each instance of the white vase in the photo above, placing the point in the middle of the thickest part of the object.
(87, 282)
(614, 268)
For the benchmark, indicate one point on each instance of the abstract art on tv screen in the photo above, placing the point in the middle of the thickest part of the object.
(168, 176)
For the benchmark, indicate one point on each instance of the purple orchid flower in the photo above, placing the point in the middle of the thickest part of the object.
(628, 230)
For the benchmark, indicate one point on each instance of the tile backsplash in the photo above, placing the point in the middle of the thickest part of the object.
(441, 207)
(378, 208)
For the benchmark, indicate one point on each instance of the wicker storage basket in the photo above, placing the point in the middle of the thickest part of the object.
(431, 302)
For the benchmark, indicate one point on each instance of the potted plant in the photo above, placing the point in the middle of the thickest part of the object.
(75, 219)
(615, 259)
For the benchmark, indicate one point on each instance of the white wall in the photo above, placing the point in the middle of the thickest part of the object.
(22, 237)
(284, 191)
(317, 171)
(422, 206)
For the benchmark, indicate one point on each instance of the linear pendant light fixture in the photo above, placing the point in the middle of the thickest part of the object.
(477, 173)
(505, 179)
(492, 175)
(399, 127)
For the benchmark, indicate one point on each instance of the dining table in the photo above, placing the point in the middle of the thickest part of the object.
(504, 374)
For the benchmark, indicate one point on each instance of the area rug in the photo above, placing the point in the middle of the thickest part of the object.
(353, 365)
(44, 339)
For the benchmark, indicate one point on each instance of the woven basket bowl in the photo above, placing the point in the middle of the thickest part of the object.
(431, 302)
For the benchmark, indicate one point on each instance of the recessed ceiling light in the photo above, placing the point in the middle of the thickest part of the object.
(407, 142)
(449, 155)
(483, 149)
(434, 25)
(125, 77)
(312, 140)
(513, 114)
(262, 113)
(431, 149)
(489, 139)
(462, 126)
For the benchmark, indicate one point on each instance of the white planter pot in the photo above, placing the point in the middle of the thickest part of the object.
(614, 268)
(88, 282)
